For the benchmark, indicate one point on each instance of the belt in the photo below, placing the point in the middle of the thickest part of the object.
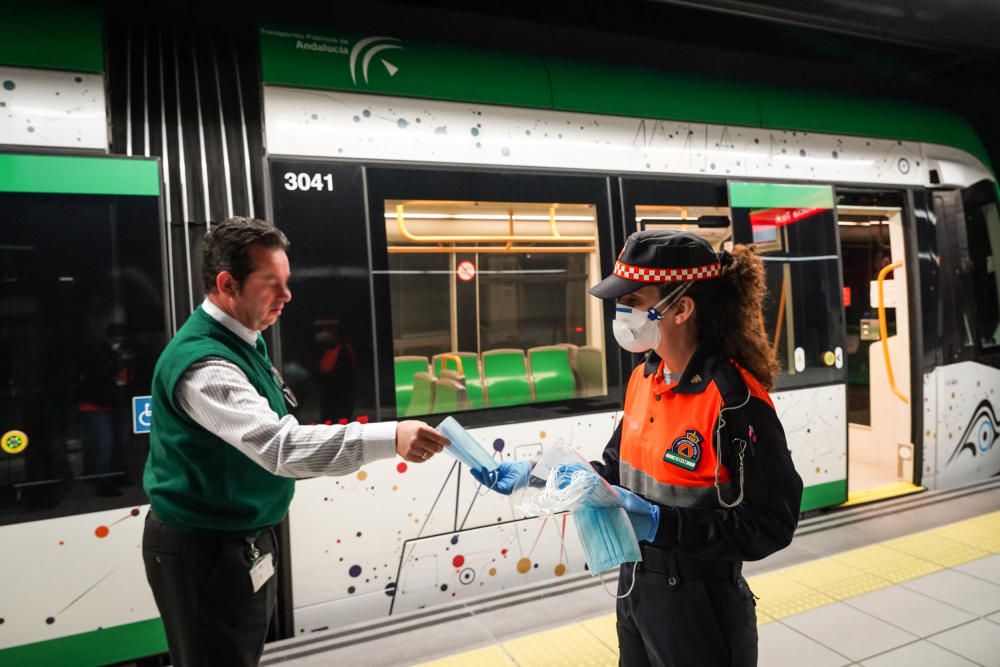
(682, 567)
(214, 534)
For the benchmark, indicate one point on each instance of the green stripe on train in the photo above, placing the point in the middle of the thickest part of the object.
(388, 66)
(53, 35)
(78, 175)
(824, 495)
(99, 647)
(779, 195)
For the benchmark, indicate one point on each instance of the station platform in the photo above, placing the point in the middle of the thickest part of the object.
(912, 581)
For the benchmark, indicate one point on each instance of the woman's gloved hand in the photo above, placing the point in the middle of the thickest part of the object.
(506, 479)
(644, 515)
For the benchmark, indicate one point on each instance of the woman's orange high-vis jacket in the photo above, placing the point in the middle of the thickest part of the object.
(674, 437)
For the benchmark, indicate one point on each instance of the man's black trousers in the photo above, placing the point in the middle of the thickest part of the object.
(203, 590)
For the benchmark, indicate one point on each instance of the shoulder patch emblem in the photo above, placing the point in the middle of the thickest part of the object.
(685, 451)
(696, 379)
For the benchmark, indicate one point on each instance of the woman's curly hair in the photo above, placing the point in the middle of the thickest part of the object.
(729, 313)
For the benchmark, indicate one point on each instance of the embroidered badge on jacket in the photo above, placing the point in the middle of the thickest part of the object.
(685, 451)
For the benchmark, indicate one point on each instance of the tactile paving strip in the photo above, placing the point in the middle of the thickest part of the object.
(780, 596)
(781, 593)
(835, 578)
(893, 566)
(569, 646)
(491, 656)
(932, 546)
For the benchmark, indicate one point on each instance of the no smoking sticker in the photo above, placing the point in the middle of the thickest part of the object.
(466, 271)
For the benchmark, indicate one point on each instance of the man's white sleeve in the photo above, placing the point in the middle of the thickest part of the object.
(219, 397)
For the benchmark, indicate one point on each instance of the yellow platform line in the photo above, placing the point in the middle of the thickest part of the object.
(782, 593)
(893, 490)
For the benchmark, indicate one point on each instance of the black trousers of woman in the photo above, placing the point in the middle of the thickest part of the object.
(670, 621)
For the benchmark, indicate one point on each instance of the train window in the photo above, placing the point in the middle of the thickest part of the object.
(490, 305)
(326, 342)
(983, 230)
(80, 333)
(794, 230)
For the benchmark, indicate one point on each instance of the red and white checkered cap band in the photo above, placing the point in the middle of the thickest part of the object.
(644, 275)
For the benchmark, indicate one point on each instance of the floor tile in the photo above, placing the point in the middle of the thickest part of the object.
(910, 610)
(780, 646)
(959, 590)
(848, 631)
(918, 654)
(979, 641)
(985, 568)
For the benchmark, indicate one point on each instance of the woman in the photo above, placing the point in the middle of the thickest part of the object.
(699, 456)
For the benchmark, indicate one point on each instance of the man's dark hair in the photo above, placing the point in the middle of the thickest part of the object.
(227, 248)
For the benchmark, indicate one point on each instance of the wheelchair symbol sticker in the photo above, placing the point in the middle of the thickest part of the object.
(142, 413)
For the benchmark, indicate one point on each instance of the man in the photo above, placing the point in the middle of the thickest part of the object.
(224, 454)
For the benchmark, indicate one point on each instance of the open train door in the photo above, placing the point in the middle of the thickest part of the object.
(876, 303)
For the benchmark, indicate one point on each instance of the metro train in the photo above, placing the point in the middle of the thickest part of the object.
(447, 209)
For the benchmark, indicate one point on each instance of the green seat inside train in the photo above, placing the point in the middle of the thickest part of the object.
(406, 368)
(551, 373)
(506, 375)
(469, 368)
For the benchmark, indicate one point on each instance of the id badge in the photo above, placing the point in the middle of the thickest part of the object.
(261, 570)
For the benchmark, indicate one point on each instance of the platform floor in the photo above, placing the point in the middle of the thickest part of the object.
(881, 592)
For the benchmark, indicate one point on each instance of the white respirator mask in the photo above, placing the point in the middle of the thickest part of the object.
(638, 331)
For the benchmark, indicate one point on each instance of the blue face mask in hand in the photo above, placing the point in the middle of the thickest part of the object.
(465, 448)
(607, 537)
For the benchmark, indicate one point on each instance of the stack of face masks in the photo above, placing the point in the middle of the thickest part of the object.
(465, 448)
(602, 525)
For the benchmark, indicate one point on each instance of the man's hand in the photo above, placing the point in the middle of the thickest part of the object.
(417, 442)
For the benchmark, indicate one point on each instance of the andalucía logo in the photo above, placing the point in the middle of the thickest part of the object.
(370, 46)
(685, 450)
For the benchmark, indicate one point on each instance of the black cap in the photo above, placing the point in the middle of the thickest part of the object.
(655, 257)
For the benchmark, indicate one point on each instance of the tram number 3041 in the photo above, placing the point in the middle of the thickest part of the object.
(305, 182)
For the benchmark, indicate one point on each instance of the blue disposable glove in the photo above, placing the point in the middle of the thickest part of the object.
(505, 479)
(564, 473)
(645, 516)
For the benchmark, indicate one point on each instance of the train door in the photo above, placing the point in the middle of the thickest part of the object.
(877, 351)
(794, 230)
(82, 322)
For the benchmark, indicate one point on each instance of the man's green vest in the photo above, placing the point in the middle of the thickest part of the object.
(195, 480)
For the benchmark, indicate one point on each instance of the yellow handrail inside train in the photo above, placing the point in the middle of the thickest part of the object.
(452, 357)
(484, 238)
(883, 329)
